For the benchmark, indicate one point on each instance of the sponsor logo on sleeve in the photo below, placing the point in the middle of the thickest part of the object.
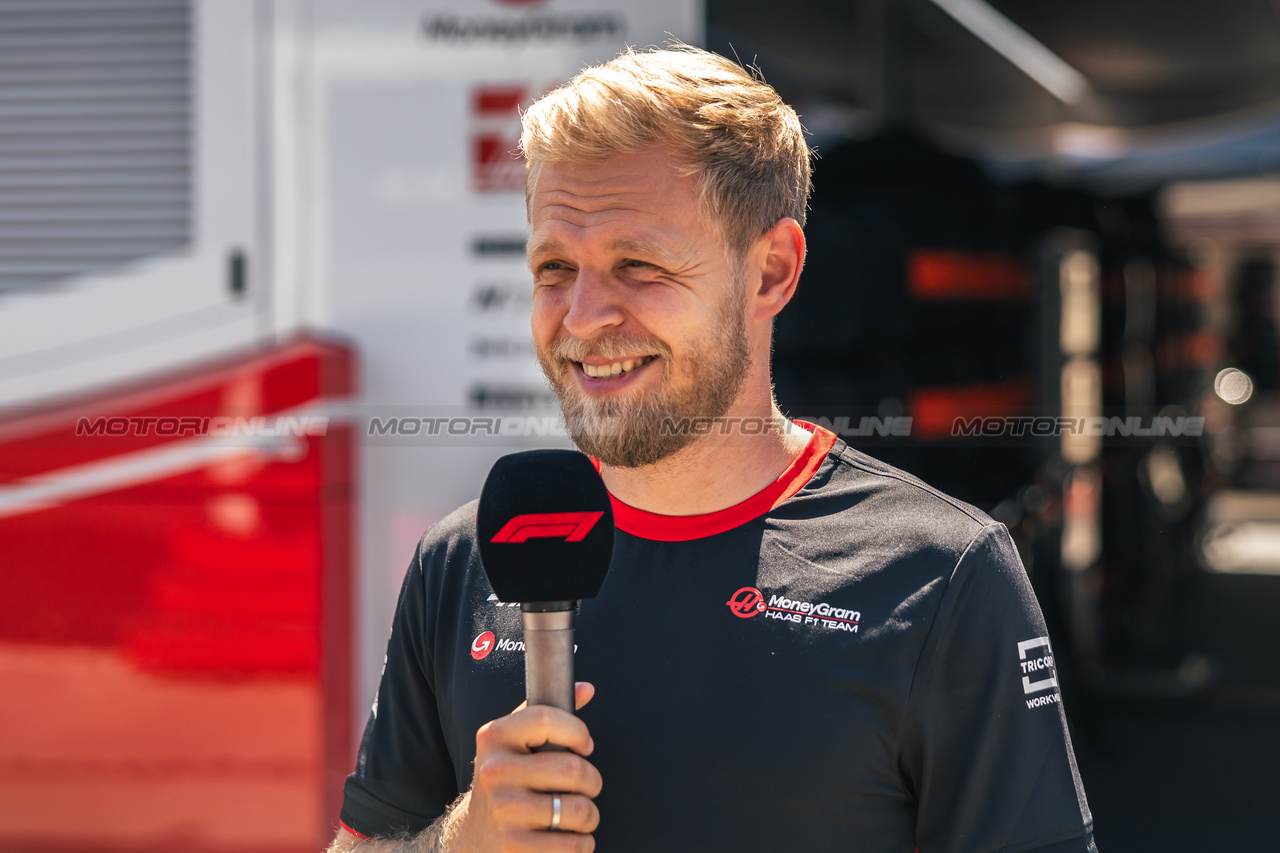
(749, 601)
(1039, 675)
(486, 643)
(482, 645)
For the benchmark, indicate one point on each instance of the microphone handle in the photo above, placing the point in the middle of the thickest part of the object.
(548, 656)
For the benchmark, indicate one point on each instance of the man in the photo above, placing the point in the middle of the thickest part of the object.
(797, 647)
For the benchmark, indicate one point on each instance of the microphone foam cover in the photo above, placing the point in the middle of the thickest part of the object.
(545, 527)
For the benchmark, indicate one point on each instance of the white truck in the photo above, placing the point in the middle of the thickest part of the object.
(263, 319)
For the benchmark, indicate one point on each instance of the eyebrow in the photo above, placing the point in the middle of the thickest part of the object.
(644, 247)
(640, 247)
(542, 246)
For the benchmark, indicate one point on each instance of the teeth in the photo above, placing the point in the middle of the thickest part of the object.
(616, 368)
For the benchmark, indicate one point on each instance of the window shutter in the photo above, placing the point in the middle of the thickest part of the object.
(95, 135)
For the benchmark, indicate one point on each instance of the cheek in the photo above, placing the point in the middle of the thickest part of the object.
(665, 313)
(547, 317)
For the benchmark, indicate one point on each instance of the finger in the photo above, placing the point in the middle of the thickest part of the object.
(577, 813)
(583, 691)
(563, 772)
(540, 841)
(526, 728)
(536, 811)
(543, 771)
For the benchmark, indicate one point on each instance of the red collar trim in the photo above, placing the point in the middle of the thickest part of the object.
(682, 528)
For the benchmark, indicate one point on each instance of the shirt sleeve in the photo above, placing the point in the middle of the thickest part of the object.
(985, 742)
(404, 777)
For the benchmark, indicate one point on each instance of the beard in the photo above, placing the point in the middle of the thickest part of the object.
(627, 430)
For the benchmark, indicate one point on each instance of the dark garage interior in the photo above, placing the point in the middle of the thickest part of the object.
(991, 180)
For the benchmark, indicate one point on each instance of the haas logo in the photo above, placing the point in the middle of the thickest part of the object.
(482, 645)
(747, 602)
(569, 526)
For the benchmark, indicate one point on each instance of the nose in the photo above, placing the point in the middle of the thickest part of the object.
(594, 305)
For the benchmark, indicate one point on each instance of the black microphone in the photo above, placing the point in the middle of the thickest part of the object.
(545, 527)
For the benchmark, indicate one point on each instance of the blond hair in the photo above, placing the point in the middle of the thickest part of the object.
(728, 127)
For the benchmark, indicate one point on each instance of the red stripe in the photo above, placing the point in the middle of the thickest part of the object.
(258, 382)
(682, 528)
(357, 833)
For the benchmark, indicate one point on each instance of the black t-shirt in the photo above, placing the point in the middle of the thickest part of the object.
(849, 660)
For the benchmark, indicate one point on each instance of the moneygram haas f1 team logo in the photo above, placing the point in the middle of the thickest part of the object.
(569, 526)
(747, 602)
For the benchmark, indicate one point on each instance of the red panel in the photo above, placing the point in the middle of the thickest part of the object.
(934, 410)
(496, 164)
(502, 100)
(1201, 350)
(935, 274)
(338, 590)
(176, 650)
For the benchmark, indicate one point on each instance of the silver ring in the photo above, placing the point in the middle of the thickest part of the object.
(555, 812)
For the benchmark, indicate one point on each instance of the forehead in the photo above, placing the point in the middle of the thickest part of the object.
(629, 196)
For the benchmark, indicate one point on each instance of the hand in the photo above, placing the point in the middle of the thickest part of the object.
(509, 806)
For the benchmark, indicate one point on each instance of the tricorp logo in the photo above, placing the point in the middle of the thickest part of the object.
(747, 602)
(569, 526)
(482, 645)
(1038, 665)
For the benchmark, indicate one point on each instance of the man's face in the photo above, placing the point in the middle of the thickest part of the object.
(638, 315)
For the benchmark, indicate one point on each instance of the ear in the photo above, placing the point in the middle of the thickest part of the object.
(781, 254)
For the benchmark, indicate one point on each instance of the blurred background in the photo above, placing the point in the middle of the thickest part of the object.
(263, 320)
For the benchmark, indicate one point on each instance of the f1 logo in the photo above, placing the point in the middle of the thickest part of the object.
(569, 526)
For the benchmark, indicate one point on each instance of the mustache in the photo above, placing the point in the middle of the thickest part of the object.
(611, 348)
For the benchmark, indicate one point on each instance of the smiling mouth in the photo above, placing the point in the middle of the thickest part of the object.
(614, 368)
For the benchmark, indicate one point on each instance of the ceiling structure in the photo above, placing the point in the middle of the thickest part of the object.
(1168, 88)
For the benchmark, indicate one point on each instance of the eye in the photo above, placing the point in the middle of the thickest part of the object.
(552, 269)
(633, 264)
(552, 274)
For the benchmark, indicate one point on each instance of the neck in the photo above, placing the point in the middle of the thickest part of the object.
(717, 470)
